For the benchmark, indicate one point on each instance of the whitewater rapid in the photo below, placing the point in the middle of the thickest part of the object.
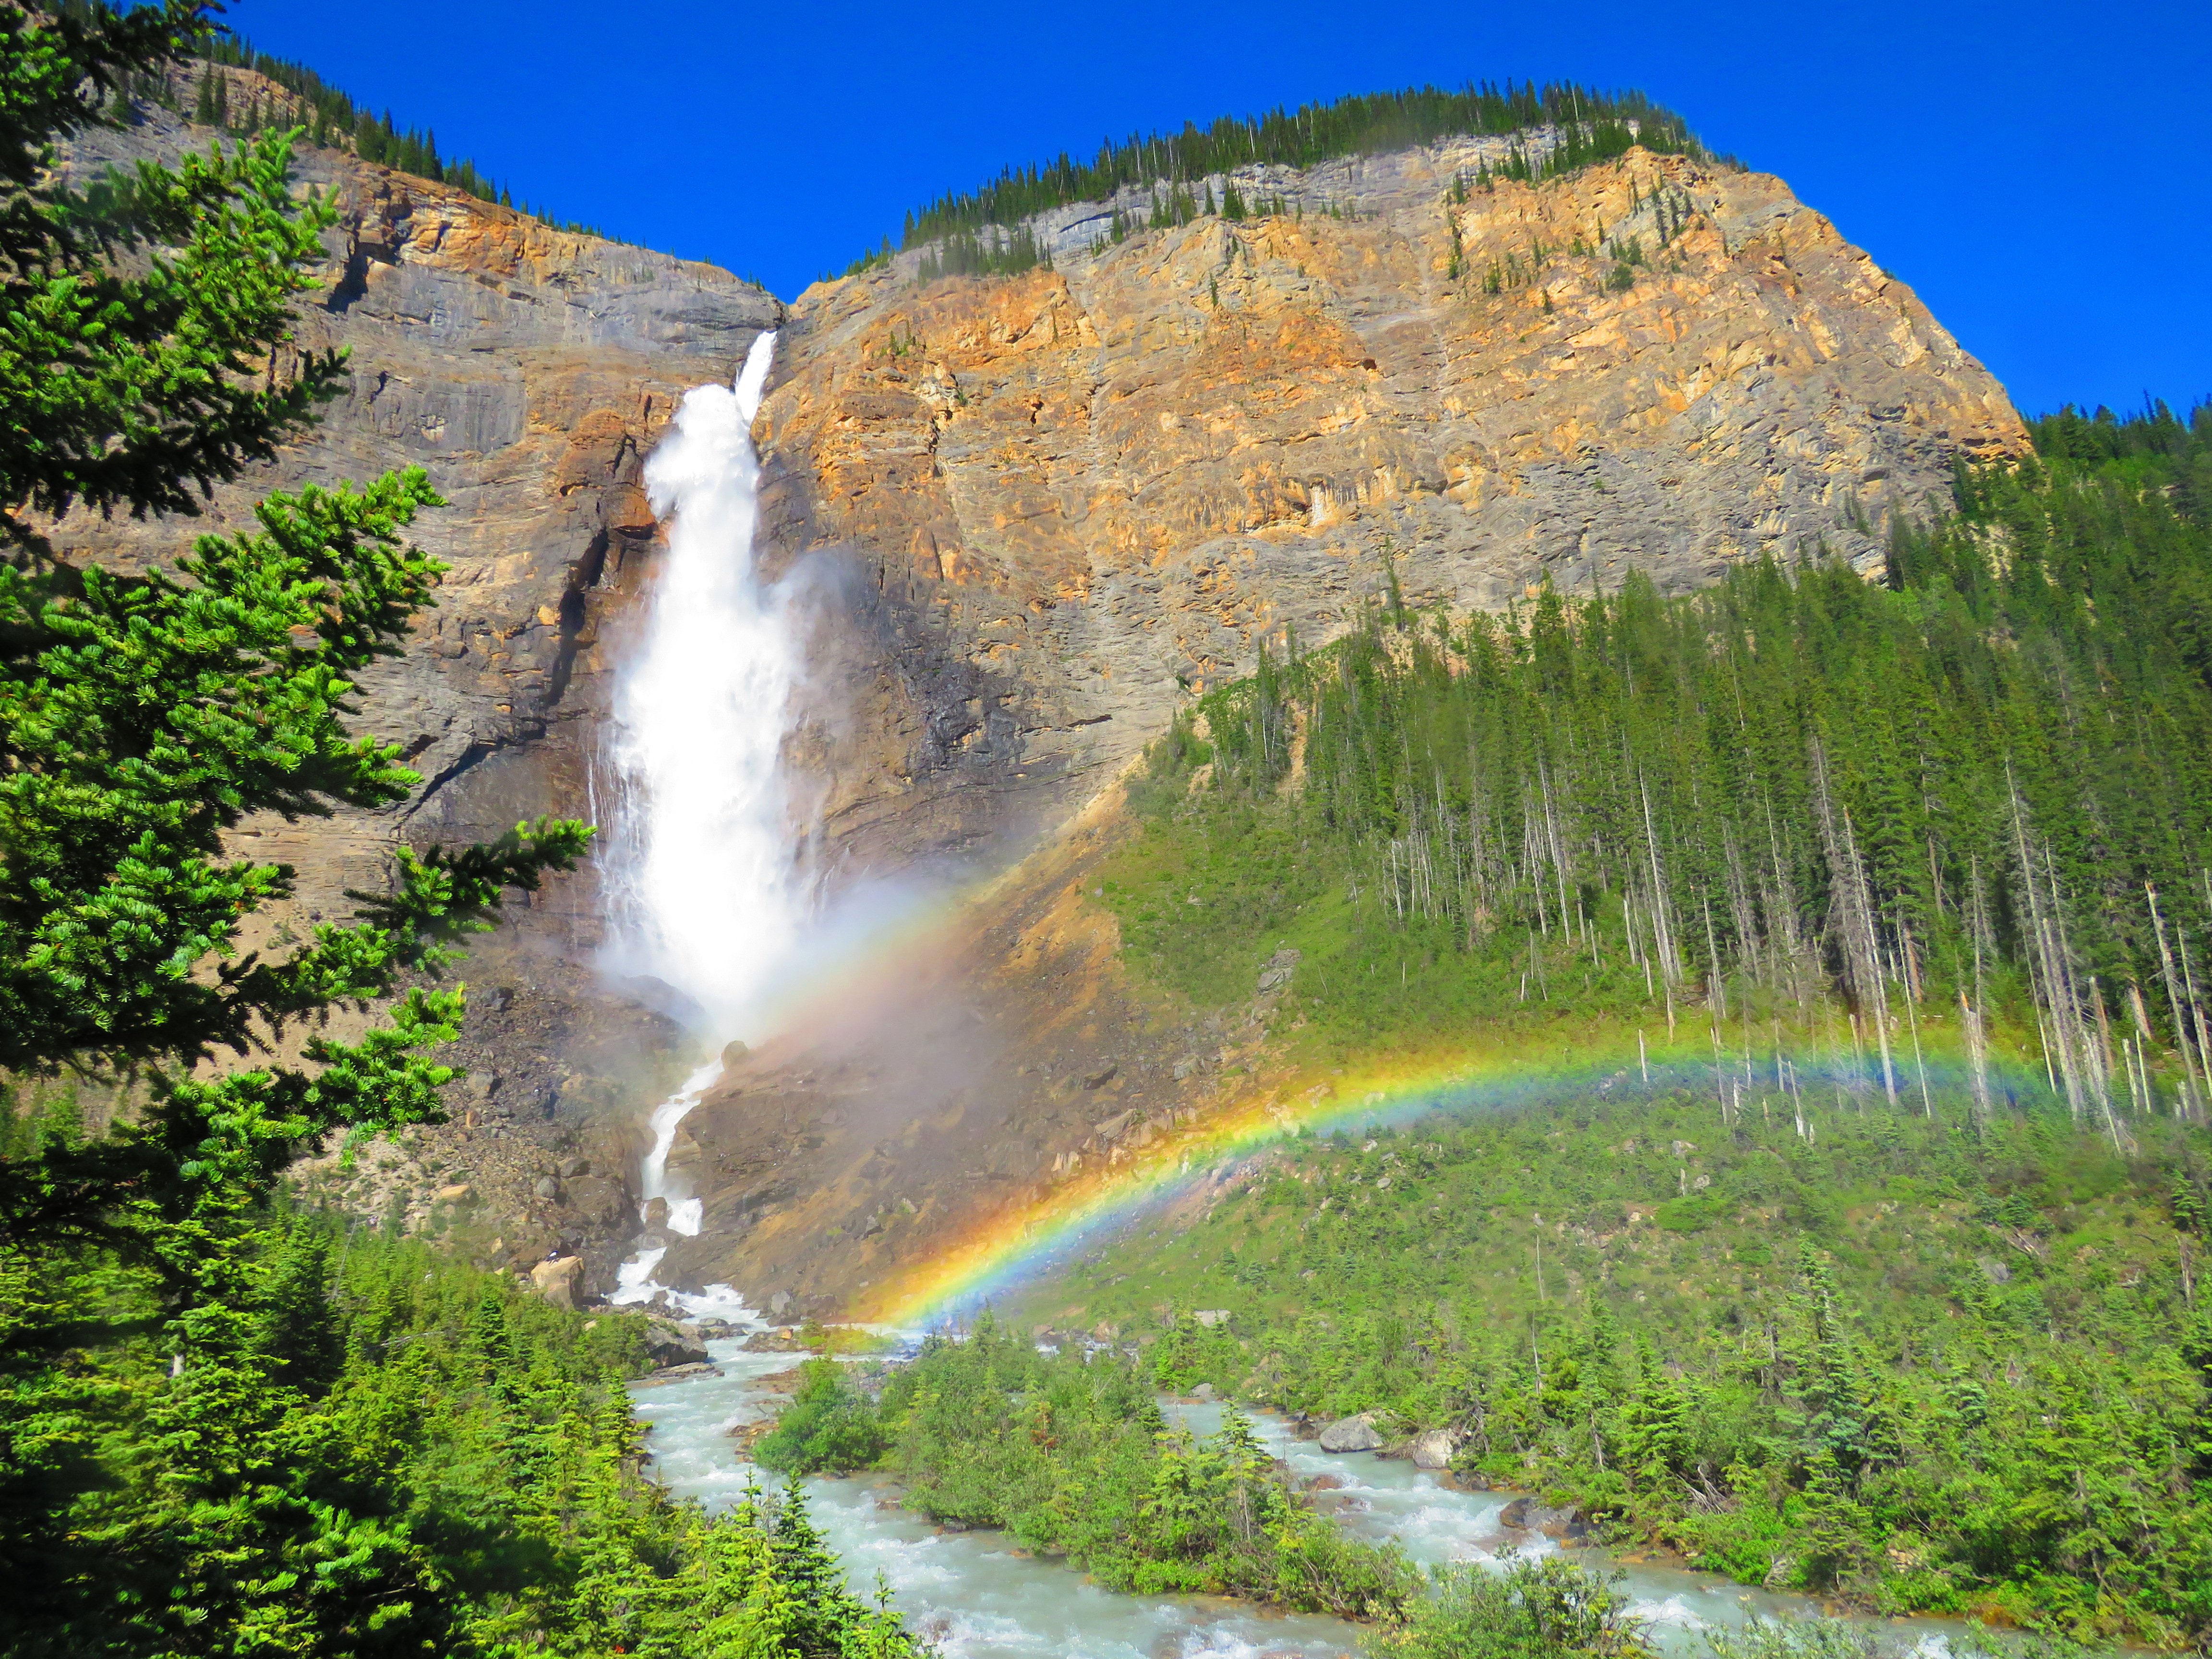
(977, 1596)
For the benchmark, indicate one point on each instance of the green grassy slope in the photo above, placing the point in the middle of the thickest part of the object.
(1931, 1345)
(1924, 1368)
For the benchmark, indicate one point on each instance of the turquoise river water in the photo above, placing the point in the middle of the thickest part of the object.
(978, 1595)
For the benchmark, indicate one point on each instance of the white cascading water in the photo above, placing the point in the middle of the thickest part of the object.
(706, 898)
(633, 1280)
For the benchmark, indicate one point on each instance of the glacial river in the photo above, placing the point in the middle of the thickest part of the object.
(979, 1597)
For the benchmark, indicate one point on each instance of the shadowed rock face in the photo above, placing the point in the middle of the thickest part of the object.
(528, 371)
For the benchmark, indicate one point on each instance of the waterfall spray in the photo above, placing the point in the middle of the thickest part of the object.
(706, 898)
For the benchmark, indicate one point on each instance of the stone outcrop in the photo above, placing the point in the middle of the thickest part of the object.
(1351, 1434)
(1567, 1523)
(556, 1279)
(1433, 1449)
(668, 1345)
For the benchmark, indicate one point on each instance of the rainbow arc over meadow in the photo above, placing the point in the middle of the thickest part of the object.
(1000, 1257)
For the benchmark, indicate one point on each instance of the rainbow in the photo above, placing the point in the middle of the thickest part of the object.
(1018, 1246)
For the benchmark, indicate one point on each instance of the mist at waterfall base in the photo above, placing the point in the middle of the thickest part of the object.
(714, 913)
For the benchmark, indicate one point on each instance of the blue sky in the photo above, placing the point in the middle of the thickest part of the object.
(2038, 172)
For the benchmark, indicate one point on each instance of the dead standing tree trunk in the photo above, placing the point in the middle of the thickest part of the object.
(2058, 985)
(1854, 907)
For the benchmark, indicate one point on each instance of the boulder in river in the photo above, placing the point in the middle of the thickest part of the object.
(669, 1346)
(1351, 1434)
(555, 1281)
(1567, 1523)
(682, 1373)
(1433, 1450)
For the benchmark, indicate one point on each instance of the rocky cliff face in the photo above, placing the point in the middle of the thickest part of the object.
(1068, 497)
(528, 371)
(1037, 513)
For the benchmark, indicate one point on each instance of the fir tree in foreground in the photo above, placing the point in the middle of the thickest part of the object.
(224, 1430)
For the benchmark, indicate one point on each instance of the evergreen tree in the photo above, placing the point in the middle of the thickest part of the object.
(1586, 125)
(1655, 1440)
(167, 393)
(141, 715)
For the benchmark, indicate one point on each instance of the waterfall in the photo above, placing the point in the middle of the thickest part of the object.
(704, 894)
(707, 899)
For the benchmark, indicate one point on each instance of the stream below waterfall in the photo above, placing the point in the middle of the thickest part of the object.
(978, 1595)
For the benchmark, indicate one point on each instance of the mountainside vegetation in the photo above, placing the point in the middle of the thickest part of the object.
(330, 119)
(1962, 811)
(990, 251)
(226, 1428)
(1592, 125)
(325, 115)
(1849, 937)
(1860, 1354)
(396, 1453)
(1071, 1455)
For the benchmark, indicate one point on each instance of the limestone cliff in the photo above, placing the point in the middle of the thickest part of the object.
(1040, 510)
(1071, 496)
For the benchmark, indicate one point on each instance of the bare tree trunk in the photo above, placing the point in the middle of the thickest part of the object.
(1919, 1061)
(1670, 957)
(1861, 951)
(1978, 1036)
(1978, 1060)
(2191, 1061)
(1716, 992)
(2049, 972)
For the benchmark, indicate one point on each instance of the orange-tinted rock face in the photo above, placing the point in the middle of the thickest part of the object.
(1076, 493)
(1068, 498)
